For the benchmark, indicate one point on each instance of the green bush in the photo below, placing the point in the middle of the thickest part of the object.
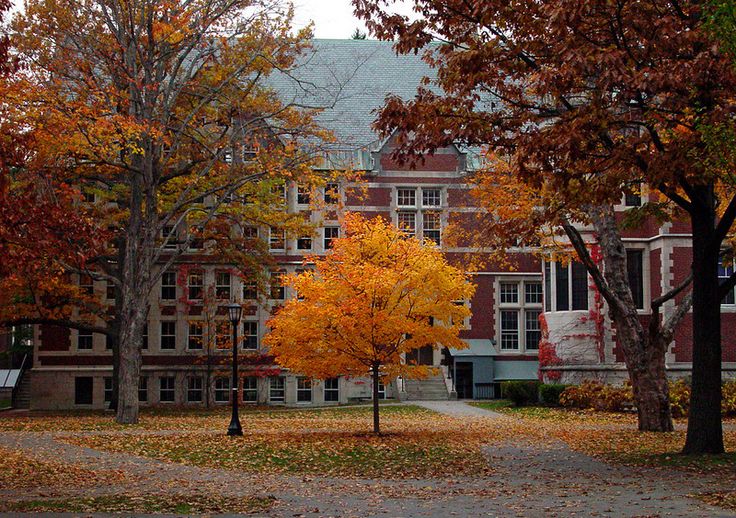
(521, 393)
(549, 393)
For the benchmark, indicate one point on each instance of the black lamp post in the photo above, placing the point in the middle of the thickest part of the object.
(235, 311)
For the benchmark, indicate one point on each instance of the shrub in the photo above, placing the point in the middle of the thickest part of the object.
(596, 395)
(679, 398)
(549, 393)
(521, 393)
(728, 403)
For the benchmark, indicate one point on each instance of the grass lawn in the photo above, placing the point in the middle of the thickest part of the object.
(19, 471)
(330, 442)
(174, 504)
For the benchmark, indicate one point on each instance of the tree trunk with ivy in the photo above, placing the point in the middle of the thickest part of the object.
(644, 349)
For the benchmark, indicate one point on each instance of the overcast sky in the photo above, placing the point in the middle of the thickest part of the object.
(333, 18)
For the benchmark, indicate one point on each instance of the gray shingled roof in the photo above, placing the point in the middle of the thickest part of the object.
(351, 78)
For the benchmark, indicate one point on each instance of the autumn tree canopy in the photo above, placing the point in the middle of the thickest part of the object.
(590, 99)
(375, 297)
(160, 116)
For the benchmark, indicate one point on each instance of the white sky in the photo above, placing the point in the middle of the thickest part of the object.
(334, 18)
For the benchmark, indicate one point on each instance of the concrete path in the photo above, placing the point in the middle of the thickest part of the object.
(456, 409)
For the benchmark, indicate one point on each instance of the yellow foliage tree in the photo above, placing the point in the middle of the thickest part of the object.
(377, 296)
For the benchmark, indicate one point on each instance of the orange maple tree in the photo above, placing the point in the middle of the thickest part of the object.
(376, 297)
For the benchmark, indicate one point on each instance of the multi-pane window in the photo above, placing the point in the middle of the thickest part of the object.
(196, 242)
(332, 389)
(303, 390)
(169, 238)
(725, 273)
(168, 286)
(144, 340)
(250, 335)
(635, 274)
(108, 390)
(510, 329)
(533, 292)
(381, 391)
(547, 286)
(331, 233)
(579, 286)
(222, 285)
(86, 284)
(407, 222)
(533, 329)
(431, 198)
(519, 315)
(166, 390)
(168, 335)
(250, 232)
(276, 239)
(406, 197)
(278, 290)
(195, 336)
(276, 389)
(143, 389)
(84, 340)
(194, 389)
(432, 226)
(332, 193)
(304, 243)
(195, 285)
(633, 196)
(110, 290)
(250, 291)
(250, 389)
(509, 292)
(222, 390)
(303, 196)
(570, 284)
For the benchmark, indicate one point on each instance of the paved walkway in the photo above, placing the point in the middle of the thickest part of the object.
(456, 408)
(523, 480)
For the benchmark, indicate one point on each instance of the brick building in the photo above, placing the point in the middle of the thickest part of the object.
(73, 370)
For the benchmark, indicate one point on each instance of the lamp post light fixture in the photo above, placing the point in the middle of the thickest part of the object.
(235, 311)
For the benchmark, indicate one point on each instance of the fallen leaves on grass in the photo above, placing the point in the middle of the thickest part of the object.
(178, 504)
(19, 471)
(725, 499)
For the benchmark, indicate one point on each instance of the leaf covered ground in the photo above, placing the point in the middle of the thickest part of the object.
(432, 457)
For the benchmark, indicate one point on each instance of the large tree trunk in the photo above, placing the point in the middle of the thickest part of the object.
(136, 274)
(704, 428)
(376, 378)
(644, 356)
(651, 392)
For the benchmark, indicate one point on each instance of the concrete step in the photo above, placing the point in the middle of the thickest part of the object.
(22, 397)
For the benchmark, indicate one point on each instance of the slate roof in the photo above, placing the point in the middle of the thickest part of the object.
(350, 79)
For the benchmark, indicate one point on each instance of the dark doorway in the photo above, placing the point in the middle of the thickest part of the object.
(422, 356)
(464, 380)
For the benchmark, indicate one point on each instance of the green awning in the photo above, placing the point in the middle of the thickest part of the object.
(476, 347)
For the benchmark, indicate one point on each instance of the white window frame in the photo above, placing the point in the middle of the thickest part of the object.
(190, 380)
(162, 335)
(224, 286)
(520, 307)
(166, 284)
(224, 381)
(331, 390)
(327, 240)
(200, 335)
(171, 389)
(280, 380)
(302, 389)
(247, 334)
(247, 389)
